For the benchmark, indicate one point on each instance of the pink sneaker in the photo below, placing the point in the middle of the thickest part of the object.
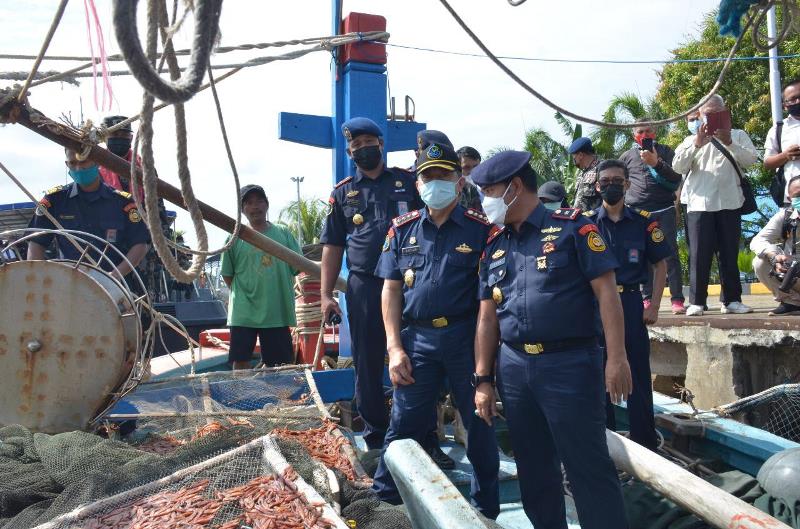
(678, 307)
(646, 303)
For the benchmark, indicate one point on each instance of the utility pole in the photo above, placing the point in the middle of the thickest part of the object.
(297, 180)
(774, 68)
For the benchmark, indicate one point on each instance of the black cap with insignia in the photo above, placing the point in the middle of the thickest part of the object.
(437, 155)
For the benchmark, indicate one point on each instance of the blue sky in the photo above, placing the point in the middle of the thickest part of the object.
(467, 97)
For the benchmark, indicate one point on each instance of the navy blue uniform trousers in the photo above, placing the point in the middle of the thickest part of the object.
(554, 405)
(369, 352)
(436, 354)
(640, 402)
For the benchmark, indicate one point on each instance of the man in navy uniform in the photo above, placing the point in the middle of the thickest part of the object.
(636, 241)
(360, 211)
(430, 269)
(542, 278)
(90, 205)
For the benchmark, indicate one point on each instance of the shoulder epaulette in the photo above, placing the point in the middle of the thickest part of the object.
(494, 232)
(566, 213)
(643, 212)
(476, 215)
(405, 218)
(124, 194)
(343, 182)
(56, 189)
(589, 213)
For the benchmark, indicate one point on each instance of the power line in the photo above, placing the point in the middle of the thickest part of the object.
(592, 61)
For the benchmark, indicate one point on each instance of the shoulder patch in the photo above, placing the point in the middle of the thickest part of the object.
(476, 215)
(343, 182)
(643, 212)
(406, 218)
(494, 232)
(653, 225)
(566, 213)
(588, 228)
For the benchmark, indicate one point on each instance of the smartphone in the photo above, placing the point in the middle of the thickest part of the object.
(718, 120)
(647, 144)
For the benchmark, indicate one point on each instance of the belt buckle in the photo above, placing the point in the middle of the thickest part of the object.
(533, 348)
(439, 322)
(620, 289)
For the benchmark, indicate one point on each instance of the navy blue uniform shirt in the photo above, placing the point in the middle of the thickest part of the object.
(106, 213)
(438, 266)
(636, 242)
(539, 277)
(360, 211)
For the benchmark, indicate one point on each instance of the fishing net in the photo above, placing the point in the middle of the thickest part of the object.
(776, 410)
(173, 425)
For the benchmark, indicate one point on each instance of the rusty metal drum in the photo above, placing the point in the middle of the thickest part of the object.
(68, 341)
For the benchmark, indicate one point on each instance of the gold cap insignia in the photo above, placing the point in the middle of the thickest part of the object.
(347, 135)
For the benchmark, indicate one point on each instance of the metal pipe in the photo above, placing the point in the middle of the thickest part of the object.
(774, 69)
(715, 506)
(56, 133)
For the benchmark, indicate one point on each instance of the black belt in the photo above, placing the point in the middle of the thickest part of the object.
(631, 287)
(552, 346)
(443, 321)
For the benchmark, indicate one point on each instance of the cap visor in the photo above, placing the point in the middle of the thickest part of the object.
(450, 166)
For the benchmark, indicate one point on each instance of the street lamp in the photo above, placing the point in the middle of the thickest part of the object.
(297, 180)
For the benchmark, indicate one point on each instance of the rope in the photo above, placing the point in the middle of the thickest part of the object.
(23, 93)
(585, 119)
(207, 14)
(150, 179)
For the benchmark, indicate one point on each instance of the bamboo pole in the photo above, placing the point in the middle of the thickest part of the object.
(690, 492)
(66, 137)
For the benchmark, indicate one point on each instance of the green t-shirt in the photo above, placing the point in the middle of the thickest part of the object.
(262, 292)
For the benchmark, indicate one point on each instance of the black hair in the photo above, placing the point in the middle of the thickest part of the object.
(529, 178)
(612, 164)
(795, 178)
(469, 152)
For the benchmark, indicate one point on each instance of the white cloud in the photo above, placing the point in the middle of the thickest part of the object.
(467, 97)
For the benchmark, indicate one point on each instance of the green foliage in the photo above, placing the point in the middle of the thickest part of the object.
(312, 217)
(624, 108)
(745, 261)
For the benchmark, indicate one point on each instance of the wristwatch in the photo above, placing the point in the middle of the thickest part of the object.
(477, 379)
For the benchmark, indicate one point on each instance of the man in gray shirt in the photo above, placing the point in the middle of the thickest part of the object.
(653, 186)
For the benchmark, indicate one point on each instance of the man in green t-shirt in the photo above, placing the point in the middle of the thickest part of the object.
(261, 302)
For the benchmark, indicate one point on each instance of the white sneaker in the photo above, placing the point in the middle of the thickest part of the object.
(736, 307)
(694, 310)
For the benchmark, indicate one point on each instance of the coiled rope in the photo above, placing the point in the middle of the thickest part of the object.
(207, 13)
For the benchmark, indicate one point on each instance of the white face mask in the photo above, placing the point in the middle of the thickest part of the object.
(496, 208)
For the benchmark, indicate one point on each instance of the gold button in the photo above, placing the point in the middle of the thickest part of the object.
(440, 322)
(358, 219)
(408, 277)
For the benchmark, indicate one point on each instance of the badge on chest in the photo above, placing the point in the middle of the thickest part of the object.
(633, 255)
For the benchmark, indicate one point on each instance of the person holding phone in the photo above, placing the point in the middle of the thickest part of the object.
(653, 184)
(782, 148)
(714, 198)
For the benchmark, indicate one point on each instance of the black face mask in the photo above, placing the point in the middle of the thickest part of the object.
(794, 110)
(612, 193)
(368, 158)
(119, 146)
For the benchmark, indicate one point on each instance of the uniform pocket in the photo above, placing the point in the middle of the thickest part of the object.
(558, 269)
(465, 260)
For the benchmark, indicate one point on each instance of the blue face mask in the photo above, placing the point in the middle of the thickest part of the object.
(796, 203)
(84, 177)
(693, 126)
(438, 194)
(552, 206)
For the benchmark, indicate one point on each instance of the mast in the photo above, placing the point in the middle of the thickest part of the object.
(774, 69)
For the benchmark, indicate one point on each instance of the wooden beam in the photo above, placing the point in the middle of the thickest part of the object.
(67, 137)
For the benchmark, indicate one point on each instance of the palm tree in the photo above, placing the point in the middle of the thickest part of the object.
(624, 108)
(549, 156)
(312, 217)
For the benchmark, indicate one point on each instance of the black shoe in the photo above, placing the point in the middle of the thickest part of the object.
(441, 459)
(784, 308)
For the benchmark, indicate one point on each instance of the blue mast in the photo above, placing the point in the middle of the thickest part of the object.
(359, 89)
